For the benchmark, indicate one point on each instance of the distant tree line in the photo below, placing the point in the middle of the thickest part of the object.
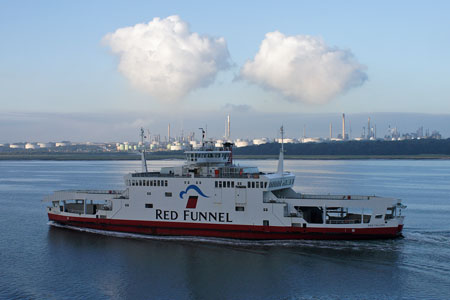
(406, 147)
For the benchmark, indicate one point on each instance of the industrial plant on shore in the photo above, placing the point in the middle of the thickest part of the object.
(156, 142)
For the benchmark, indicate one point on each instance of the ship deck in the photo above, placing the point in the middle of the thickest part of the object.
(83, 194)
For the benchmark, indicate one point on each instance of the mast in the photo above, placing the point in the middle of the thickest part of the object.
(144, 162)
(281, 158)
(203, 136)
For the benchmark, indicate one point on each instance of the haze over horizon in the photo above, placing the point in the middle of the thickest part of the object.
(98, 71)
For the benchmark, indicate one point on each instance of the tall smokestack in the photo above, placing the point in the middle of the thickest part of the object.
(168, 133)
(368, 129)
(331, 130)
(228, 127)
(343, 126)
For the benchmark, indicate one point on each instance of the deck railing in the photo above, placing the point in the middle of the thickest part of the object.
(113, 192)
(221, 175)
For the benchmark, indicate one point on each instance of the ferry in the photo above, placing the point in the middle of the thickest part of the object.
(211, 196)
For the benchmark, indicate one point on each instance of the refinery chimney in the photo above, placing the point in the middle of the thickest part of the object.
(343, 126)
(228, 127)
(368, 129)
(331, 130)
(168, 133)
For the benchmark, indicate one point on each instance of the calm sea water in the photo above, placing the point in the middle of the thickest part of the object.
(39, 261)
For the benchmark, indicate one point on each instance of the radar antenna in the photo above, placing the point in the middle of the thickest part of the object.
(203, 136)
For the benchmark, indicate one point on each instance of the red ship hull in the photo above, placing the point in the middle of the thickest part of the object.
(249, 232)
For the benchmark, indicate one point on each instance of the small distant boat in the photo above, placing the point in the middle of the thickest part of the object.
(211, 196)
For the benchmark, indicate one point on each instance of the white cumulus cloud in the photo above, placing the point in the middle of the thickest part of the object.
(303, 68)
(165, 59)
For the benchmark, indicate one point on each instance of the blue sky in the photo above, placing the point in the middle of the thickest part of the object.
(53, 59)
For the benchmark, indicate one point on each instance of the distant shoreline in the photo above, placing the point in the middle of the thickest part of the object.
(153, 156)
(407, 149)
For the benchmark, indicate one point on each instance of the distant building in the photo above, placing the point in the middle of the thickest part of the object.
(287, 141)
(219, 143)
(17, 146)
(260, 141)
(436, 135)
(31, 146)
(63, 144)
(44, 145)
(241, 143)
(311, 140)
(177, 146)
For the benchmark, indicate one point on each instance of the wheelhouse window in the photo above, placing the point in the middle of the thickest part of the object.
(168, 194)
(148, 205)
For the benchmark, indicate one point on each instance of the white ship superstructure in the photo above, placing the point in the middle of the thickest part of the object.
(211, 196)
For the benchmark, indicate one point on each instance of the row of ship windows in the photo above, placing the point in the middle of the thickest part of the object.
(147, 182)
(250, 184)
(197, 182)
(238, 208)
(194, 156)
(167, 194)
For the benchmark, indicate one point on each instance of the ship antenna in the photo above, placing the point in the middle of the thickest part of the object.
(203, 136)
(281, 158)
(144, 162)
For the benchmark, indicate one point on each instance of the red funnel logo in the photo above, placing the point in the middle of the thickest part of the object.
(192, 202)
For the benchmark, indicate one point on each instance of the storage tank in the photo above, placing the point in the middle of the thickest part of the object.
(44, 145)
(260, 141)
(241, 143)
(17, 146)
